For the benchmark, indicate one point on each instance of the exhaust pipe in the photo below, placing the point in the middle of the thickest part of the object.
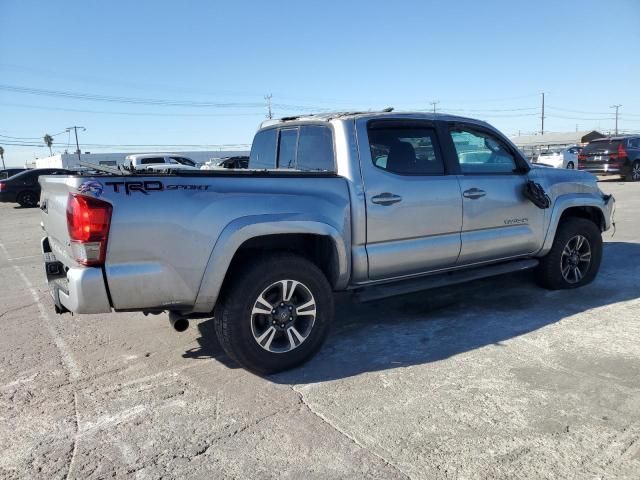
(178, 322)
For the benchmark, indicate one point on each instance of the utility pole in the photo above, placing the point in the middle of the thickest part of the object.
(542, 116)
(75, 129)
(268, 99)
(617, 107)
(433, 104)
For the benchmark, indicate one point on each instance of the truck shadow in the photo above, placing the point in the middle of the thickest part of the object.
(438, 324)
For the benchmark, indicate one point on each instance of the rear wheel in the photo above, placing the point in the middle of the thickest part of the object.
(634, 172)
(275, 313)
(570, 166)
(27, 199)
(574, 258)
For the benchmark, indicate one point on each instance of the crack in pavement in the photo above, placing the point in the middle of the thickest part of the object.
(347, 435)
(75, 437)
(15, 309)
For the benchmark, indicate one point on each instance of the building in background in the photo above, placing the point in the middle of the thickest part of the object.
(532, 145)
(70, 160)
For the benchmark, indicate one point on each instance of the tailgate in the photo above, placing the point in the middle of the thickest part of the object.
(54, 198)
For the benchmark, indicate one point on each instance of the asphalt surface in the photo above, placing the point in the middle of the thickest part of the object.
(494, 379)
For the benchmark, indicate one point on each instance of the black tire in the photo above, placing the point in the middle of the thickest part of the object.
(238, 328)
(27, 199)
(634, 172)
(550, 274)
(571, 165)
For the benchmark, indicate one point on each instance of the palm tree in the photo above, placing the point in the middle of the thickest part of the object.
(48, 140)
(2, 156)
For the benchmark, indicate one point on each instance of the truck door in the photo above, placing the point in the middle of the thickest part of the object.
(414, 208)
(498, 222)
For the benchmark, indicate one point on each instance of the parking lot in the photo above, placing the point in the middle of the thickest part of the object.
(494, 379)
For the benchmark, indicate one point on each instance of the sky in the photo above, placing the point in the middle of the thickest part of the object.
(168, 75)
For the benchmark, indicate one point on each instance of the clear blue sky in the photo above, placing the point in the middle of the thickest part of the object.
(484, 59)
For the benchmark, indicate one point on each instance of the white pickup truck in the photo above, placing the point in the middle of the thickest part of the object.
(375, 203)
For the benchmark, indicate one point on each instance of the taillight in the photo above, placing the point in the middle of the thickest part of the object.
(1, 186)
(582, 157)
(88, 221)
(622, 153)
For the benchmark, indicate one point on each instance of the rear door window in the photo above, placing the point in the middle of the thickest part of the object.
(406, 150)
(263, 150)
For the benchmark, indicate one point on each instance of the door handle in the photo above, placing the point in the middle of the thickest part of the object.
(386, 198)
(474, 193)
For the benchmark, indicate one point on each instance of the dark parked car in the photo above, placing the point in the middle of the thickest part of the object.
(9, 172)
(612, 156)
(23, 188)
(234, 162)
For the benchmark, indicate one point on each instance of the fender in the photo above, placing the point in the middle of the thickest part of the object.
(245, 228)
(563, 202)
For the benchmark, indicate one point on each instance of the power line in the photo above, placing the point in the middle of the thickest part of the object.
(142, 114)
(129, 100)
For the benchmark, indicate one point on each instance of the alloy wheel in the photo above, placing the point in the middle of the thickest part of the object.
(283, 316)
(575, 259)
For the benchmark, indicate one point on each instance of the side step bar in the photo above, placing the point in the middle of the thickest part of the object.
(402, 287)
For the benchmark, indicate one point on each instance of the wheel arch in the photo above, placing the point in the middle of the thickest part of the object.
(314, 239)
(586, 207)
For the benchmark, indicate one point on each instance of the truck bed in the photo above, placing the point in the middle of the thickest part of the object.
(164, 227)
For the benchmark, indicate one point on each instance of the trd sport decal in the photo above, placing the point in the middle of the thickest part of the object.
(150, 186)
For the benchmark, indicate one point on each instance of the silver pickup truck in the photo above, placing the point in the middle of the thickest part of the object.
(375, 203)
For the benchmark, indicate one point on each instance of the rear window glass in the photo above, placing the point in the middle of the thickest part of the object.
(183, 161)
(263, 150)
(602, 146)
(315, 149)
(149, 161)
(287, 148)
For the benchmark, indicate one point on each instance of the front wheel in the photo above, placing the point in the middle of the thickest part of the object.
(274, 313)
(574, 258)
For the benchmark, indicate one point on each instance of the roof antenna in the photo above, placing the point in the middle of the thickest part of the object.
(387, 110)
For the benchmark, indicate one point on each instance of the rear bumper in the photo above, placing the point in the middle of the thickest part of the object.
(8, 197)
(603, 170)
(75, 289)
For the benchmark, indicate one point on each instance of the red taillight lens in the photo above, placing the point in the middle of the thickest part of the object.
(88, 221)
(1, 186)
(621, 151)
(582, 157)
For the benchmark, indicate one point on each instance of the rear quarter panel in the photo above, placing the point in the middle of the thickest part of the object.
(161, 241)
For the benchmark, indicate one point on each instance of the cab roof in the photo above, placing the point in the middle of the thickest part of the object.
(350, 115)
